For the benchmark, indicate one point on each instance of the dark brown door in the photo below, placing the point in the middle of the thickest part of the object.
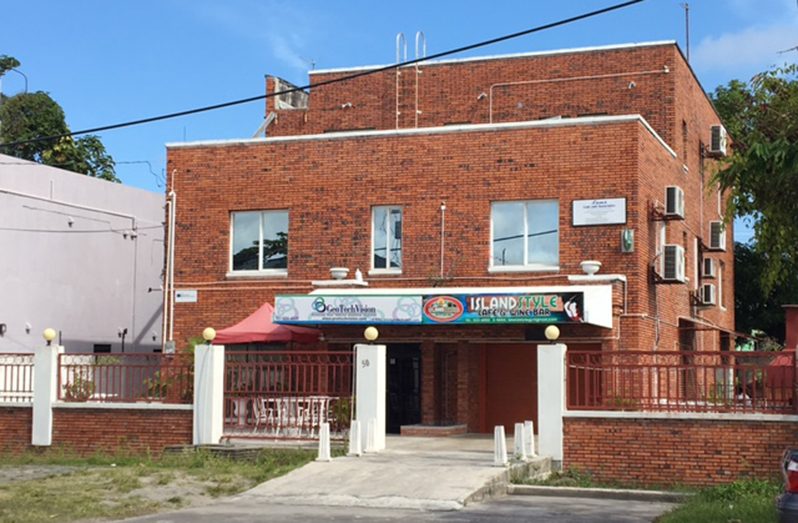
(510, 386)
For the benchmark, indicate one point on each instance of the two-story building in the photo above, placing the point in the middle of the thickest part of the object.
(463, 196)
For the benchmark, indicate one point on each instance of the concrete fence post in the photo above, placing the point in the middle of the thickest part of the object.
(45, 392)
(355, 445)
(519, 442)
(370, 395)
(208, 394)
(551, 401)
(499, 446)
(529, 438)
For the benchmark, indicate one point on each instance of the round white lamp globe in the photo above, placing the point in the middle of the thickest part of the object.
(49, 335)
(208, 334)
(552, 332)
(371, 333)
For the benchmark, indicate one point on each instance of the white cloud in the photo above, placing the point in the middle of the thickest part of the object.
(752, 47)
(284, 29)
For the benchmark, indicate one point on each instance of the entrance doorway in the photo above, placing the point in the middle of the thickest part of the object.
(511, 385)
(404, 386)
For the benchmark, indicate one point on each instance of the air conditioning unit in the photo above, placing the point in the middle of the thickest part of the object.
(717, 236)
(717, 141)
(674, 202)
(708, 270)
(673, 264)
(707, 294)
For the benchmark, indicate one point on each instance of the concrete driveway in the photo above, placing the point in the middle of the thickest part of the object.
(506, 509)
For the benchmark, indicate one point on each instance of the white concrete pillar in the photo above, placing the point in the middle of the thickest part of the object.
(208, 394)
(355, 445)
(45, 392)
(551, 400)
(529, 438)
(499, 446)
(519, 442)
(324, 443)
(370, 393)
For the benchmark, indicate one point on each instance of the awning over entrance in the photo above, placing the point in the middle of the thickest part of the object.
(258, 327)
(569, 304)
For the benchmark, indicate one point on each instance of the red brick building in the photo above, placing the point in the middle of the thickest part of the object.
(470, 188)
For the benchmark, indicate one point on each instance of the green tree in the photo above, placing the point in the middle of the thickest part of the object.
(762, 173)
(755, 307)
(27, 116)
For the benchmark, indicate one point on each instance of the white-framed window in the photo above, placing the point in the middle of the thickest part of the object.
(386, 239)
(259, 242)
(525, 235)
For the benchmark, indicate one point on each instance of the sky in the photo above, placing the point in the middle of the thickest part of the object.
(112, 61)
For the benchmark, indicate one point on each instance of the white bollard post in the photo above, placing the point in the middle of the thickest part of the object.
(551, 386)
(529, 438)
(208, 394)
(355, 444)
(499, 447)
(519, 442)
(371, 393)
(45, 380)
(324, 443)
(371, 429)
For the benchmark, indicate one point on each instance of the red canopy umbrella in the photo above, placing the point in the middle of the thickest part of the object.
(258, 327)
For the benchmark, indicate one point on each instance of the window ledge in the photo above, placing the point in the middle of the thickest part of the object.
(255, 275)
(385, 272)
(520, 268)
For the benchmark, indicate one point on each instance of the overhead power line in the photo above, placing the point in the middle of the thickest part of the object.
(359, 74)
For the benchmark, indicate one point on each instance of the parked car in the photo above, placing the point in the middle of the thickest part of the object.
(787, 502)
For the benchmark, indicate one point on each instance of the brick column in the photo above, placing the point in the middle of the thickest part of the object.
(464, 382)
(428, 389)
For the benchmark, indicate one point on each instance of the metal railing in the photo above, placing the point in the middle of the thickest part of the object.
(16, 378)
(287, 395)
(681, 381)
(125, 378)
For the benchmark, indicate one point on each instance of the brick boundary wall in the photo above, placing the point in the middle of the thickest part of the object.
(15, 428)
(99, 429)
(89, 430)
(676, 451)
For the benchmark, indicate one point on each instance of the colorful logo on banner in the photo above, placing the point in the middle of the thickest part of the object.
(443, 309)
(505, 308)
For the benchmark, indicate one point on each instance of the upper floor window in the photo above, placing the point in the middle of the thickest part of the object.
(525, 235)
(386, 238)
(260, 241)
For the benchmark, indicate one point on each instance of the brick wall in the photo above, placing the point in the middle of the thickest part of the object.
(92, 430)
(676, 451)
(15, 428)
(565, 84)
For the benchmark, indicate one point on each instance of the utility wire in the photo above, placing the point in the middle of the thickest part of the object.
(242, 101)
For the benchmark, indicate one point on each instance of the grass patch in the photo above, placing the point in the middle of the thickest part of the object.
(749, 501)
(120, 486)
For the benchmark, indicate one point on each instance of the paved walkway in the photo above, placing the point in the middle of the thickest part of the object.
(414, 473)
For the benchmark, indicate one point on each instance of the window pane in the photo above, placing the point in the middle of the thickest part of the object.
(246, 232)
(380, 235)
(275, 240)
(395, 238)
(543, 240)
(508, 233)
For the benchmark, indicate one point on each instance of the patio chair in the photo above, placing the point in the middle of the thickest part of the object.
(264, 411)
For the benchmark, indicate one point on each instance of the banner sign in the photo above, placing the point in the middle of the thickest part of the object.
(567, 307)
(504, 308)
(372, 310)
